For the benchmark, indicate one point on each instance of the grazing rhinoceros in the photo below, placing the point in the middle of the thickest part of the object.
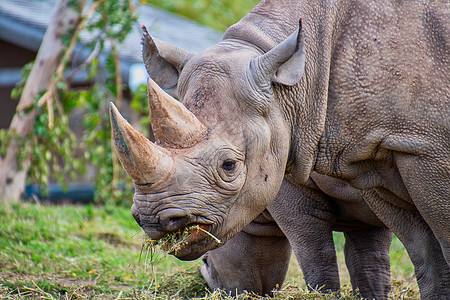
(257, 258)
(360, 94)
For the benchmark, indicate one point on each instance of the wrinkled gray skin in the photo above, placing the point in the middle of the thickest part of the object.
(365, 99)
(257, 258)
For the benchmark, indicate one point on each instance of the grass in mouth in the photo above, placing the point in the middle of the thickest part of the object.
(173, 242)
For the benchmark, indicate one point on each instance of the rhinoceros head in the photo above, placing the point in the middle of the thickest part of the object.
(218, 164)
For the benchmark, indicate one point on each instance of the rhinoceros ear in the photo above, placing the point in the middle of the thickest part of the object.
(284, 64)
(163, 61)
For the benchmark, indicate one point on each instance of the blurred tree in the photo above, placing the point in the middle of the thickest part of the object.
(12, 178)
(39, 135)
(218, 14)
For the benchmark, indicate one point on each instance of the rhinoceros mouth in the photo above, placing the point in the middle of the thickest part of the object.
(177, 241)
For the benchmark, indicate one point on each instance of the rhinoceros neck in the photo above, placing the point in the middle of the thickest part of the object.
(305, 104)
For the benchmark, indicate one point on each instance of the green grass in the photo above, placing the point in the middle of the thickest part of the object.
(218, 14)
(81, 249)
(79, 252)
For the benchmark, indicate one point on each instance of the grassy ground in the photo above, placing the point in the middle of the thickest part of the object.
(79, 252)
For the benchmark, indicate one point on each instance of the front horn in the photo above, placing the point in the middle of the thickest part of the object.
(145, 162)
(172, 123)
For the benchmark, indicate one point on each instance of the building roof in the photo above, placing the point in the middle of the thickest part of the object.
(23, 23)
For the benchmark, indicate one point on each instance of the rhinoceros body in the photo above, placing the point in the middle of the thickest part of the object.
(359, 92)
(303, 218)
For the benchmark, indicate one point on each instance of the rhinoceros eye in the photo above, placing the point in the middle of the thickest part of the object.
(229, 165)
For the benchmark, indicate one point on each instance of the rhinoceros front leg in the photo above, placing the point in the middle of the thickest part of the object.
(368, 262)
(306, 218)
(431, 269)
(248, 263)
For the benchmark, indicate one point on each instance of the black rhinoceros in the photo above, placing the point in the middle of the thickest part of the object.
(361, 94)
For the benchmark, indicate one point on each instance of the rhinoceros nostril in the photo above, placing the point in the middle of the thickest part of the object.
(176, 223)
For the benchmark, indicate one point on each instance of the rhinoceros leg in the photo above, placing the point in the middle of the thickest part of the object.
(306, 218)
(431, 269)
(368, 262)
(428, 183)
(248, 263)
